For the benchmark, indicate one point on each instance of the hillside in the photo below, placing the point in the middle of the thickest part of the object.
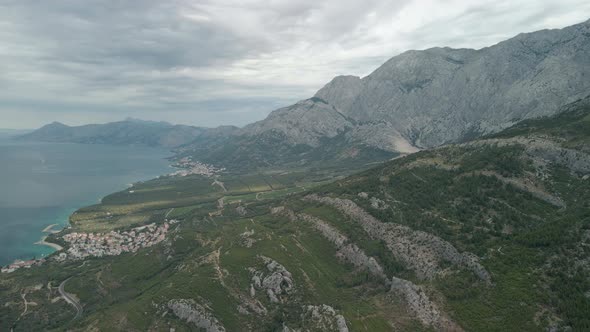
(488, 235)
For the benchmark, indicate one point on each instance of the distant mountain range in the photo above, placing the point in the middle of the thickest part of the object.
(416, 100)
(127, 132)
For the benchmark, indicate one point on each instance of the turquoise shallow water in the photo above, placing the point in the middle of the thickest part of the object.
(43, 183)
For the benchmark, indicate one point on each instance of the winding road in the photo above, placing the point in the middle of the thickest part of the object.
(70, 299)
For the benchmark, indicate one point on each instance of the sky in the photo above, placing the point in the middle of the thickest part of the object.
(219, 62)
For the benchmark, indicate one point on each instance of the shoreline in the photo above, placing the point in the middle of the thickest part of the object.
(43, 242)
(49, 229)
(154, 163)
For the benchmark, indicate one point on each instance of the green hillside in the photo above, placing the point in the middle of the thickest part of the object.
(489, 235)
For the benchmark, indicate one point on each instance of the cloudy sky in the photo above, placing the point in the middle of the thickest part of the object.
(212, 62)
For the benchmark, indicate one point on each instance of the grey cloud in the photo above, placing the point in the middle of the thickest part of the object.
(222, 61)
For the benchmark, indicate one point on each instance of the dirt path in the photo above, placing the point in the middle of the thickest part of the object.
(168, 213)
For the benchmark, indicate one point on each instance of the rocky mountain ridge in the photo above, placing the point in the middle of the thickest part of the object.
(415, 100)
(422, 99)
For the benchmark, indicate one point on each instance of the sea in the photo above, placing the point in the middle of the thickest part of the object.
(42, 184)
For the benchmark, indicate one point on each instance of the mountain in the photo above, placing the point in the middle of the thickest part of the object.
(127, 132)
(443, 95)
(282, 140)
(487, 235)
(423, 99)
(416, 100)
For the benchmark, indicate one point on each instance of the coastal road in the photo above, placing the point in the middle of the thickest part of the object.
(70, 299)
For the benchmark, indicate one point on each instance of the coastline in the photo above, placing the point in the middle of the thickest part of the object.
(31, 236)
(43, 242)
(49, 229)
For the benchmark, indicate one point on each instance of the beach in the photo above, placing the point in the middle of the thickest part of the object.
(43, 242)
(49, 229)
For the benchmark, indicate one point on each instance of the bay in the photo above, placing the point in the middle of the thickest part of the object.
(43, 183)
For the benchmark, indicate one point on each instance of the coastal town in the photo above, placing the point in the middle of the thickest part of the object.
(113, 243)
(189, 167)
(19, 263)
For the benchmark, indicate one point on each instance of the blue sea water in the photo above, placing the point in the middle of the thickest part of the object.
(43, 183)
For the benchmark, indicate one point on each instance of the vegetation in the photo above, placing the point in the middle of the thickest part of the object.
(526, 221)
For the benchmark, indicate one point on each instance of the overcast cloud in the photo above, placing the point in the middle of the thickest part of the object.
(213, 62)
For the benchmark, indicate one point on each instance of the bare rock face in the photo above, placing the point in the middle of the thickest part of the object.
(303, 123)
(381, 135)
(420, 251)
(421, 306)
(275, 281)
(241, 210)
(342, 91)
(322, 318)
(277, 210)
(442, 95)
(422, 99)
(198, 315)
(577, 162)
(246, 238)
(347, 251)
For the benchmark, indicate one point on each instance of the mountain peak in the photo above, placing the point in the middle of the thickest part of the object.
(341, 91)
(57, 123)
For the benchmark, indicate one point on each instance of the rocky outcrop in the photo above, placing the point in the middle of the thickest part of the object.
(241, 211)
(376, 203)
(306, 122)
(347, 251)
(544, 150)
(419, 304)
(322, 318)
(427, 312)
(420, 251)
(246, 238)
(277, 209)
(275, 280)
(195, 314)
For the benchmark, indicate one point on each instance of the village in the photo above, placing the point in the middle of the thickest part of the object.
(113, 243)
(19, 263)
(189, 167)
(83, 245)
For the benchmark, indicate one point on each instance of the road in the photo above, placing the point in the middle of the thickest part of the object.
(70, 299)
